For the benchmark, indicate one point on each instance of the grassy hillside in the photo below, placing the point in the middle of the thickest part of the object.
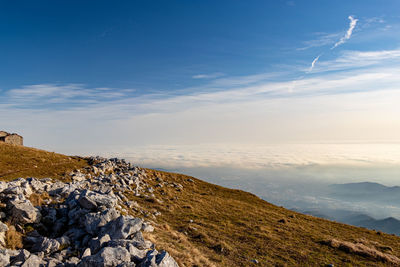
(232, 227)
(202, 224)
(19, 161)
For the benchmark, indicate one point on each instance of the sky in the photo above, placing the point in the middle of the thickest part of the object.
(84, 77)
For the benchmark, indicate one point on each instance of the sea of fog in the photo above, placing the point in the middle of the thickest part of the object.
(296, 176)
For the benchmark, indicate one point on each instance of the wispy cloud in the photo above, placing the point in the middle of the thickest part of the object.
(382, 65)
(208, 76)
(40, 95)
(352, 25)
(323, 39)
(360, 59)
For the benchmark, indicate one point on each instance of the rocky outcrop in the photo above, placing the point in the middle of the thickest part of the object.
(85, 222)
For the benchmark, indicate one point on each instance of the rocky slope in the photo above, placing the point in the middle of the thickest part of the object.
(81, 223)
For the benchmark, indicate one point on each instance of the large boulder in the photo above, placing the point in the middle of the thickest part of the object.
(24, 212)
(122, 227)
(93, 221)
(107, 257)
(91, 200)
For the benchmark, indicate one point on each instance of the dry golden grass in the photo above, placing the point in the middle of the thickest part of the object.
(360, 248)
(13, 238)
(19, 161)
(38, 199)
(232, 227)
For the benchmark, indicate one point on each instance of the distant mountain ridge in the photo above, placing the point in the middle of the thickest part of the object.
(366, 191)
(388, 225)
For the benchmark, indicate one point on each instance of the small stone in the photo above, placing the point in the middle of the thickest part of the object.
(254, 261)
(51, 262)
(3, 227)
(32, 261)
(147, 227)
(86, 253)
(283, 220)
(162, 259)
(73, 261)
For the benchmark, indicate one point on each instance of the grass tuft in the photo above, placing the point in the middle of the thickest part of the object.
(13, 238)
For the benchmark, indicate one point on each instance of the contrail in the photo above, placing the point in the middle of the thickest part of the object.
(352, 25)
(313, 63)
(349, 32)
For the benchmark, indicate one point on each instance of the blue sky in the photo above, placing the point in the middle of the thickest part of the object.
(80, 76)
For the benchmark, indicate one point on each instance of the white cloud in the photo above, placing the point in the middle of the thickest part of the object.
(208, 76)
(352, 25)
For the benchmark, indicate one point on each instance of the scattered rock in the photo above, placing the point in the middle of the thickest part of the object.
(81, 222)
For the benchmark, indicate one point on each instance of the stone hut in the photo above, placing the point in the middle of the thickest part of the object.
(13, 138)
